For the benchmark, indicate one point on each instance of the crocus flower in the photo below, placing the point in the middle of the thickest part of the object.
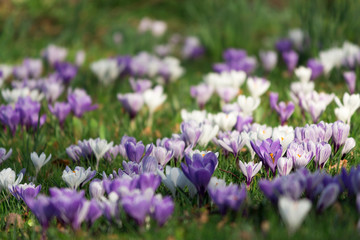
(348, 146)
(96, 189)
(226, 122)
(140, 85)
(293, 212)
(65, 71)
(283, 45)
(227, 93)
(71, 207)
(350, 79)
(284, 110)
(134, 151)
(163, 208)
(268, 60)
(9, 117)
(154, 98)
(43, 209)
(208, 132)
(4, 155)
(54, 54)
(234, 143)
(8, 178)
(30, 68)
(257, 86)
(61, 110)
(137, 205)
(291, 59)
(80, 58)
(52, 90)
(284, 166)
(199, 170)
(202, 93)
(192, 48)
(99, 147)
(93, 212)
(340, 132)
(24, 191)
(78, 177)
(162, 155)
(228, 197)
(299, 155)
(249, 169)
(328, 197)
(39, 161)
(106, 70)
(322, 154)
(285, 134)
(191, 132)
(248, 104)
(29, 113)
(349, 106)
(269, 152)
(80, 102)
(303, 73)
(316, 68)
(315, 103)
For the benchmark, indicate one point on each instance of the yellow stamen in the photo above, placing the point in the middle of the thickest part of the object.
(282, 139)
(272, 157)
(299, 155)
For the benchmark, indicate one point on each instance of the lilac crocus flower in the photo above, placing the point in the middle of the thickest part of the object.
(227, 93)
(30, 68)
(163, 208)
(350, 79)
(299, 154)
(316, 68)
(9, 117)
(71, 207)
(134, 151)
(148, 180)
(202, 93)
(291, 59)
(80, 102)
(199, 170)
(233, 54)
(268, 60)
(328, 197)
(132, 102)
(340, 132)
(283, 45)
(61, 110)
(66, 71)
(43, 209)
(24, 191)
(242, 122)
(177, 146)
(322, 154)
(94, 211)
(191, 132)
(74, 152)
(284, 166)
(284, 110)
(29, 113)
(140, 85)
(162, 155)
(54, 54)
(269, 151)
(234, 143)
(228, 197)
(250, 170)
(4, 155)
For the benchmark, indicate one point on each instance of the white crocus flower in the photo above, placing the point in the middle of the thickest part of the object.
(248, 104)
(331, 58)
(39, 161)
(285, 134)
(248, 137)
(225, 121)
(349, 106)
(284, 166)
(216, 182)
(348, 146)
(303, 74)
(8, 178)
(264, 132)
(195, 115)
(77, 177)
(208, 132)
(257, 86)
(12, 96)
(174, 178)
(293, 212)
(297, 36)
(5, 71)
(106, 70)
(99, 148)
(153, 98)
(226, 79)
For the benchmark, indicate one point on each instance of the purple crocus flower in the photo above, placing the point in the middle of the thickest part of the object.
(175, 145)
(74, 152)
(9, 117)
(242, 122)
(199, 170)
(163, 208)
(283, 45)
(61, 110)
(284, 166)
(269, 151)
(80, 102)
(284, 110)
(29, 113)
(299, 154)
(140, 85)
(30, 68)
(202, 93)
(227, 93)
(134, 151)
(96, 189)
(137, 205)
(228, 197)
(316, 68)
(233, 54)
(250, 170)
(122, 149)
(24, 191)
(65, 71)
(4, 155)
(71, 207)
(291, 59)
(162, 155)
(43, 209)
(322, 154)
(233, 143)
(132, 102)
(328, 197)
(54, 54)
(350, 79)
(148, 180)
(340, 132)
(191, 132)
(94, 211)
(221, 67)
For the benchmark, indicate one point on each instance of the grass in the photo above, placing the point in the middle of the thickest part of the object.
(26, 27)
